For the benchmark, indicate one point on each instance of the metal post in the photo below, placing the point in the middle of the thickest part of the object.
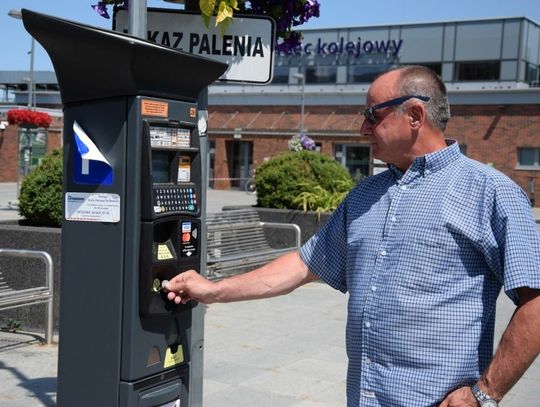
(137, 18)
(302, 110)
(17, 14)
(197, 328)
(31, 92)
(301, 77)
(27, 150)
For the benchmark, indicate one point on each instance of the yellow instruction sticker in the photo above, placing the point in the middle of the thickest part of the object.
(172, 359)
(163, 252)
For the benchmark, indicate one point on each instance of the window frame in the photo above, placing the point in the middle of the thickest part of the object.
(535, 166)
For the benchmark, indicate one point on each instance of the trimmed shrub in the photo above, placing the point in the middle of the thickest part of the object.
(302, 180)
(40, 199)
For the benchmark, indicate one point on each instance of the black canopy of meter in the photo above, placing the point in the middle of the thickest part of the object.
(93, 63)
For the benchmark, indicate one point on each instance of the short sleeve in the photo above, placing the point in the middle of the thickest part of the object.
(326, 252)
(516, 251)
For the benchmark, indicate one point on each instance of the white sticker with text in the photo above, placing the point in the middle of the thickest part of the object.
(86, 207)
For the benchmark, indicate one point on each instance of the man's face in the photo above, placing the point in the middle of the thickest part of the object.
(390, 135)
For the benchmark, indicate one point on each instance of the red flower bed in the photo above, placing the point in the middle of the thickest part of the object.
(28, 118)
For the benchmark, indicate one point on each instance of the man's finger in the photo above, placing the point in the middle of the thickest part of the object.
(176, 284)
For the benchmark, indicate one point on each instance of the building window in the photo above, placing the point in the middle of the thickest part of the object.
(355, 158)
(321, 74)
(529, 158)
(435, 67)
(32, 148)
(240, 158)
(281, 74)
(531, 75)
(365, 73)
(478, 71)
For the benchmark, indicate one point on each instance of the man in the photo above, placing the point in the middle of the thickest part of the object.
(422, 249)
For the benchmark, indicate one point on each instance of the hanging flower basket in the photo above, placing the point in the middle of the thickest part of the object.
(286, 13)
(28, 119)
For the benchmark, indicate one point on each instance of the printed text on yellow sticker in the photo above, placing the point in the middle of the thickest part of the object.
(172, 359)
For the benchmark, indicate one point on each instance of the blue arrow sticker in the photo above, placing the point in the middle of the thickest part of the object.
(89, 165)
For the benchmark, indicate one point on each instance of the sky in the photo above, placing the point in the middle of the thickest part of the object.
(15, 41)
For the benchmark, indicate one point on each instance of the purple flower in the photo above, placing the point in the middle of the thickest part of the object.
(307, 143)
(101, 9)
(287, 14)
(292, 41)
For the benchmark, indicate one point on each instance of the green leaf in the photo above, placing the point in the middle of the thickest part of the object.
(207, 7)
(225, 11)
(206, 20)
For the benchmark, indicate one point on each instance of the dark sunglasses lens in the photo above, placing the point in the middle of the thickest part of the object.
(369, 115)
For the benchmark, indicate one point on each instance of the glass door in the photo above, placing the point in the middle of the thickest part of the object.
(240, 157)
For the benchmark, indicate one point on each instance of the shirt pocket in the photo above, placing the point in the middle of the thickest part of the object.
(427, 261)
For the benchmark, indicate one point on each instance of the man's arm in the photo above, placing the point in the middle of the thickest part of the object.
(281, 276)
(517, 350)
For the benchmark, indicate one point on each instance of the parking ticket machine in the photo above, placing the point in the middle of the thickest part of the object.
(134, 208)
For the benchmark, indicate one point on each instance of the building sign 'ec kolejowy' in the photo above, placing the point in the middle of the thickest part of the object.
(247, 45)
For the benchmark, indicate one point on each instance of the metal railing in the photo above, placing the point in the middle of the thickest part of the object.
(10, 298)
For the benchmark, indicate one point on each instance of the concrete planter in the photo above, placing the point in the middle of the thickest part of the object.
(24, 273)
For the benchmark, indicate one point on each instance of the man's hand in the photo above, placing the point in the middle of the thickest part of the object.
(462, 397)
(190, 285)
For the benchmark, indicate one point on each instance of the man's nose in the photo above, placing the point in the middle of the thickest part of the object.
(366, 126)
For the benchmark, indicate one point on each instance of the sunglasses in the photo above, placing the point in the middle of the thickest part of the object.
(368, 113)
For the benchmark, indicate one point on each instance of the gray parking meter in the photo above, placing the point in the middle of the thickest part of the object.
(133, 215)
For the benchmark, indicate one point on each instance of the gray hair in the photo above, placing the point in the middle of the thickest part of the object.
(419, 80)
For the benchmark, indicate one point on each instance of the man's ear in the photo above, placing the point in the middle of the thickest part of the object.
(417, 116)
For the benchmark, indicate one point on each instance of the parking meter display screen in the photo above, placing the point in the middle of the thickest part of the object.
(161, 167)
(174, 137)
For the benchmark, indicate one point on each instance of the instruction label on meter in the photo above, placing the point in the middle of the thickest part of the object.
(87, 207)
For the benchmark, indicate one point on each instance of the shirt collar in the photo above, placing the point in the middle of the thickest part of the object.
(430, 163)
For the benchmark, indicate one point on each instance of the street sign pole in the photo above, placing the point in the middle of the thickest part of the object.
(137, 18)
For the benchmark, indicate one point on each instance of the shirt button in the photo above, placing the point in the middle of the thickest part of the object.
(368, 361)
(403, 187)
(393, 219)
(367, 393)
(367, 324)
(373, 288)
(383, 252)
(427, 171)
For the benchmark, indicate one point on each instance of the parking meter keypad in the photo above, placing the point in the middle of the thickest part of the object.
(174, 199)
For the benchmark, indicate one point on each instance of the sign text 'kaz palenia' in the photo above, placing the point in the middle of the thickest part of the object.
(247, 45)
(210, 44)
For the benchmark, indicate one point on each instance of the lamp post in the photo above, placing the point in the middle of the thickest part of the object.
(27, 149)
(301, 77)
(31, 94)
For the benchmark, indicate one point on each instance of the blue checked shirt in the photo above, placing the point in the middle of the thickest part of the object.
(423, 255)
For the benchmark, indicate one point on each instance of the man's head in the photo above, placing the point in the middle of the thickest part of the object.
(407, 114)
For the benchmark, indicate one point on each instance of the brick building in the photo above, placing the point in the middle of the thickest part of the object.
(15, 140)
(490, 67)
